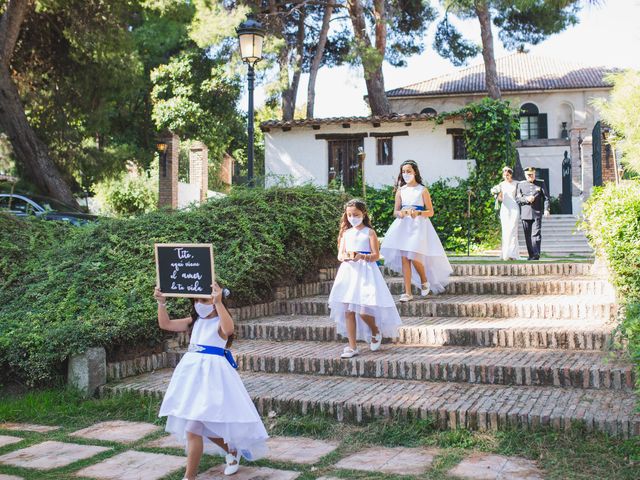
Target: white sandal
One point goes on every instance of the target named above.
(406, 298)
(426, 288)
(349, 352)
(378, 341)
(231, 467)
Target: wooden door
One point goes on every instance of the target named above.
(344, 166)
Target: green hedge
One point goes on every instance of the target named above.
(613, 227)
(65, 289)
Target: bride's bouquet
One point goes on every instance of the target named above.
(495, 191)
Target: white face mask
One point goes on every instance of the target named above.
(407, 177)
(355, 221)
(203, 309)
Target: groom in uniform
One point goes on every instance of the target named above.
(532, 196)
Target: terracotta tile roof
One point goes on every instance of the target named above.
(516, 72)
(394, 117)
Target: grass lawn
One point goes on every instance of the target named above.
(570, 455)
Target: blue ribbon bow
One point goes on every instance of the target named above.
(223, 352)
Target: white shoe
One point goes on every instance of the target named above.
(406, 298)
(349, 352)
(232, 467)
(426, 288)
(376, 341)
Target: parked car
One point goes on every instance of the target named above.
(23, 205)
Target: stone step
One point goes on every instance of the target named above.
(449, 405)
(482, 285)
(494, 269)
(498, 366)
(494, 306)
(434, 331)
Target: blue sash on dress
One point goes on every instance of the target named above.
(420, 208)
(211, 350)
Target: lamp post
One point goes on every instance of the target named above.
(161, 147)
(251, 37)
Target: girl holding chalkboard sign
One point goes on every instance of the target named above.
(206, 401)
(360, 301)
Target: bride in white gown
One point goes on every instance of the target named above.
(509, 216)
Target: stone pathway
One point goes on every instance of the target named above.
(297, 452)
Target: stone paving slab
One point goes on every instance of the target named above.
(480, 466)
(249, 473)
(9, 440)
(28, 427)
(399, 460)
(50, 454)
(133, 465)
(298, 449)
(168, 441)
(560, 368)
(9, 477)
(451, 405)
(117, 431)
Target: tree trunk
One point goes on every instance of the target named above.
(490, 70)
(317, 59)
(374, 78)
(291, 93)
(28, 148)
(30, 151)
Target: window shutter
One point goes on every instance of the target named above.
(542, 125)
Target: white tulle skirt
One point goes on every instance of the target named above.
(206, 396)
(417, 240)
(360, 287)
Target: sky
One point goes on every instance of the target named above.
(608, 34)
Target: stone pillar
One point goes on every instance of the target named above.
(587, 167)
(168, 195)
(226, 170)
(199, 168)
(88, 371)
(576, 170)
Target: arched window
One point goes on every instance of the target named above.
(429, 111)
(533, 124)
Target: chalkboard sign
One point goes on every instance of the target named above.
(184, 269)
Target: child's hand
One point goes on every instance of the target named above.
(159, 296)
(358, 256)
(401, 213)
(414, 213)
(216, 293)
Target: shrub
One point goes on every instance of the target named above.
(127, 195)
(93, 286)
(613, 226)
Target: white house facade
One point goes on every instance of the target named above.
(557, 116)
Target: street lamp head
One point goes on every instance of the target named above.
(251, 37)
(161, 147)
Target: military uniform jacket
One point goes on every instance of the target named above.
(531, 211)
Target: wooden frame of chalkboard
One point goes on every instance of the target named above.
(162, 279)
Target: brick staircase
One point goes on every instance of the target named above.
(560, 237)
(507, 345)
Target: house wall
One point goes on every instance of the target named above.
(296, 156)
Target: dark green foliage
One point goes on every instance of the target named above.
(613, 227)
(450, 43)
(93, 286)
